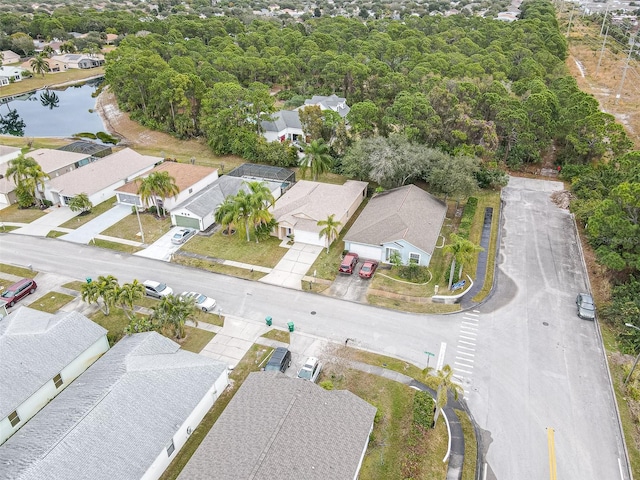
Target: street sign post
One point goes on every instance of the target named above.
(429, 355)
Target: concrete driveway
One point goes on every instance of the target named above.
(161, 249)
(293, 266)
(350, 287)
(92, 229)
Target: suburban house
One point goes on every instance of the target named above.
(406, 220)
(40, 355)
(55, 65)
(8, 153)
(53, 162)
(99, 179)
(332, 102)
(198, 211)
(126, 417)
(284, 126)
(190, 179)
(79, 60)
(9, 57)
(285, 428)
(305, 203)
(9, 75)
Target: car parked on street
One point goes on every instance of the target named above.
(586, 307)
(18, 291)
(310, 370)
(182, 235)
(368, 269)
(204, 303)
(280, 360)
(348, 263)
(156, 289)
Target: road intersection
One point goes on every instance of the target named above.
(527, 363)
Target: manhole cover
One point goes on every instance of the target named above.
(545, 324)
(313, 312)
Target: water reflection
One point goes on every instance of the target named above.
(52, 112)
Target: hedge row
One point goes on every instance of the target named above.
(467, 217)
(424, 408)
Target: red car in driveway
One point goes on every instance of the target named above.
(349, 263)
(18, 291)
(368, 268)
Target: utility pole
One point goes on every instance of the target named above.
(604, 42)
(603, 20)
(624, 71)
(570, 18)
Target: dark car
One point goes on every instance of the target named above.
(349, 263)
(280, 360)
(367, 269)
(18, 291)
(586, 307)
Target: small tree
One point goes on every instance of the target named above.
(128, 294)
(329, 230)
(443, 384)
(172, 313)
(104, 291)
(80, 203)
(463, 251)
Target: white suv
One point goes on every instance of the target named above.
(157, 289)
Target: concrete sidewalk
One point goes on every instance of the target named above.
(292, 268)
(43, 225)
(92, 229)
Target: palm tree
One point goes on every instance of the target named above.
(317, 158)
(261, 200)
(49, 99)
(48, 51)
(444, 384)
(463, 251)
(155, 186)
(28, 176)
(243, 210)
(39, 65)
(172, 313)
(35, 181)
(80, 203)
(104, 288)
(225, 213)
(330, 229)
(128, 294)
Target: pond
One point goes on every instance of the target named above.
(55, 112)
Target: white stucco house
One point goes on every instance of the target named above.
(127, 416)
(406, 220)
(79, 60)
(10, 74)
(305, 203)
(198, 211)
(40, 355)
(331, 102)
(190, 179)
(9, 57)
(284, 126)
(99, 179)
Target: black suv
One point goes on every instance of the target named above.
(280, 360)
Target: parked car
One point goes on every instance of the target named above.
(349, 263)
(586, 307)
(18, 291)
(156, 289)
(280, 360)
(204, 303)
(310, 370)
(182, 235)
(368, 268)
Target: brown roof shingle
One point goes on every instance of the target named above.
(185, 175)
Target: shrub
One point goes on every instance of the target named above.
(467, 217)
(327, 384)
(424, 408)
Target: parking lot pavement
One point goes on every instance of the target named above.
(161, 249)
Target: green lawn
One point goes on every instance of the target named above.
(97, 210)
(38, 81)
(218, 267)
(486, 199)
(13, 213)
(470, 446)
(75, 285)
(235, 247)
(212, 318)
(278, 335)
(55, 234)
(115, 323)
(120, 247)
(129, 228)
(18, 271)
(196, 339)
(51, 302)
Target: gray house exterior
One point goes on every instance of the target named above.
(406, 220)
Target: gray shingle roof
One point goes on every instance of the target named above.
(281, 120)
(332, 102)
(208, 199)
(35, 346)
(277, 427)
(115, 419)
(407, 213)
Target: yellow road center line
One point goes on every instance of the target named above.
(553, 475)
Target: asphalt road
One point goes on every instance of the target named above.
(526, 361)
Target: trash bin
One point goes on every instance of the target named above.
(290, 325)
(269, 321)
(88, 279)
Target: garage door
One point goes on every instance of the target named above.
(187, 222)
(366, 251)
(308, 237)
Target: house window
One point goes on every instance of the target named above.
(171, 448)
(414, 258)
(389, 253)
(57, 381)
(14, 418)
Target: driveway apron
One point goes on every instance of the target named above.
(92, 229)
(43, 225)
(293, 266)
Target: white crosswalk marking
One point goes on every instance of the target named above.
(467, 338)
